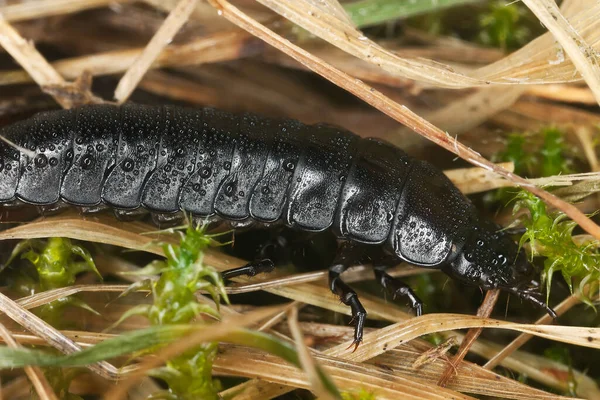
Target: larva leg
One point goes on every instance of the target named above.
(531, 295)
(394, 286)
(167, 220)
(53, 208)
(126, 215)
(251, 269)
(348, 255)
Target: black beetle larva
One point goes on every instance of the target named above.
(376, 199)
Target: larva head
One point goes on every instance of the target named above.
(490, 259)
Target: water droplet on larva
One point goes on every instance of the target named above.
(41, 161)
(480, 243)
(53, 161)
(289, 165)
(128, 165)
(69, 155)
(87, 161)
(100, 147)
(205, 172)
(230, 189)
(196, 187)
(265, 190)
(227, 165)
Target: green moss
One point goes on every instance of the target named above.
(550, 236)
(363, 394)
(532, 158)
(183, 273)
(542, 153)
(57, 262)
(504, 25)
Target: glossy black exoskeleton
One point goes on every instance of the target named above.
(380, 202)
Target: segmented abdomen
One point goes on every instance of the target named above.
(207, 162)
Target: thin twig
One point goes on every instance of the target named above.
(173, 23)
(30, 59)
(484, 311)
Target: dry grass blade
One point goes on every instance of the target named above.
(471, 378)
(378, 342)
(36, 375)
(400, 113)
(176, 19)
(581, 53)
(306, 360)
(586, 138)
(234, 360)
(221, 46)
(29, 58)
(565, 180)
(473, 110)
(45, 8)
(476, 180)
(529, 65)
(48, 296)
(343, 35)
(94, 231)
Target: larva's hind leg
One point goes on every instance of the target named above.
(394, 286)
(168, 220)
(53, 209)
(348, 255)
(128, 215)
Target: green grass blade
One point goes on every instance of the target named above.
(148, 338)
(372, 12)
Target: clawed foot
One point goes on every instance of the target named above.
(396, 287)
(415, 303)
(532, 296)
(359, 316)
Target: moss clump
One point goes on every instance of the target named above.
(550, 236)
(183, 273)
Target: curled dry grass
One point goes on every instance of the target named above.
(501, 92)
